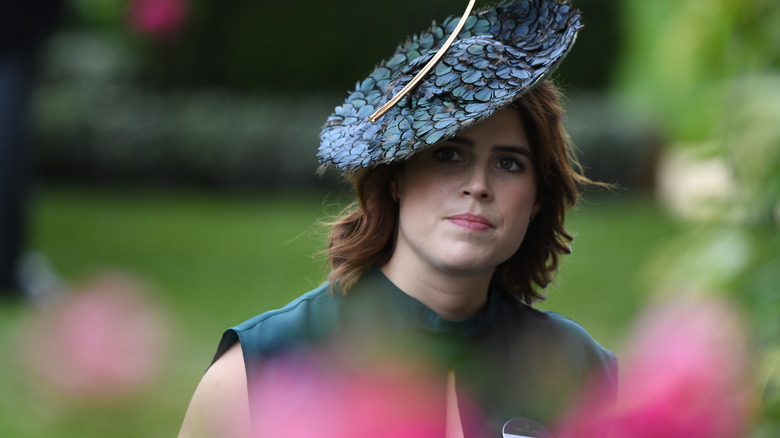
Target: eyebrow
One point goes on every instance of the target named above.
(519, 149)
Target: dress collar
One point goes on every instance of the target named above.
(403, 310)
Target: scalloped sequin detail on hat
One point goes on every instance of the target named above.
(501, 53)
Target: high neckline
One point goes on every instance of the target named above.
(406, 311)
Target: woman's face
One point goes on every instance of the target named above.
(465, 203)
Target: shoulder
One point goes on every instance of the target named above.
(597, 364)
(304, 319)
(564, 328)
(564, 337)
(294, 313)
(219, 406)
(549, 324)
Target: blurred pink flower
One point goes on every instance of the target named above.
(159, 19)
(309, 395)
(684, 375)
(104, 341)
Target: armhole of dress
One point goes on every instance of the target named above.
(229, 338)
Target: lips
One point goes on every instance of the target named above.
(471, 222)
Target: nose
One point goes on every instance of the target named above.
(477, 184)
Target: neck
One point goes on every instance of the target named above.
(453, 297)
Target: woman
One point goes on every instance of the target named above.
(462, 171)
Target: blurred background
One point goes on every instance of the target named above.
(159, 183)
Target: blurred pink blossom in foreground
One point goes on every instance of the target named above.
(310, 396)
(159, 19)
(105, 341)
(684, 375)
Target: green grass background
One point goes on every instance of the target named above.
(214, 260)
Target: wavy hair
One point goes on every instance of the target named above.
(364, 234)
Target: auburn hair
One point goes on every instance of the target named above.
(363, 236)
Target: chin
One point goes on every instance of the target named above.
(468, 267)
(472, 260)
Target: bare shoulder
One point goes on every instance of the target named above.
(220, 405)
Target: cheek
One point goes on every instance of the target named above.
(513, 240)
(415, 205)
(519, 212)
(520, 199)
(518, 234)
(420, 201)
(417, 188)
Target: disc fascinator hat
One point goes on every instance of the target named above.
(446, 79)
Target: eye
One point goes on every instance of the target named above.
(447, 153)
(511, 164)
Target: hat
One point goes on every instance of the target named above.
(499, 54)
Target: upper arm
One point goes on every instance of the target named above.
(220, 405)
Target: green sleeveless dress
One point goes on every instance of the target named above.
(513, 360)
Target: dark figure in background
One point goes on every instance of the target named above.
(24, 27)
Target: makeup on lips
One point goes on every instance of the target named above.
(471, 222)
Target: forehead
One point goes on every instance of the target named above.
(504, 127)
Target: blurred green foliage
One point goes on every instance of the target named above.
(710, 71)
(680, 57)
